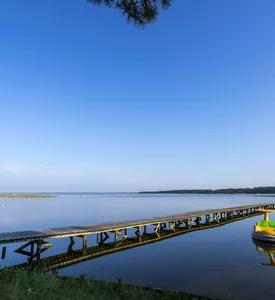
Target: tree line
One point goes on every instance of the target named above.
(255, 190)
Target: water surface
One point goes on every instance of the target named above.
(221, 261)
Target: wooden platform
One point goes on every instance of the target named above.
(75, 256)
(50, 233)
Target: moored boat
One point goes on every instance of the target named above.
(264, 230)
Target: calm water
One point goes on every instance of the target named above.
(220, 262)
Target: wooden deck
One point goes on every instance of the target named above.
(50, 233)
(75, 256)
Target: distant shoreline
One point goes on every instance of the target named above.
(25, 196)
(266, 190)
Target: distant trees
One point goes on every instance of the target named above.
(255, 190)
(141, 12)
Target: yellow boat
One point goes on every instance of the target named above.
(264, 230)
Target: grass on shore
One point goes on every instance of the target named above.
(18, 284)
(25, 196)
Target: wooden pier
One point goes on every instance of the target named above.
(126, 234)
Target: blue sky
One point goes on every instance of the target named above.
(89, 103)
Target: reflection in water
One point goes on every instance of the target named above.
(71, 256)
(268, 248)
(205, 262)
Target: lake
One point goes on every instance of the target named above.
(222, 261)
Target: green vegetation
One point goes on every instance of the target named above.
(140, 12)
(255, 190)
(25, 196)
(18, 284)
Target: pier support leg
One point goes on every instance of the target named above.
(70, 247)
(163, 226)
(118, 243)
(157, 230)
(38, 250)
(172, 226)
(102, 240)
(115, 238)
(188, 223)
(138, 233)
(84, 243)
(216, 218)
(198, 221)
(32, 252)
(144, 230)
(31, 255)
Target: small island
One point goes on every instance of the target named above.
(256, 190)
(25, 196)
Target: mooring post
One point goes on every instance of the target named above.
(4, 252)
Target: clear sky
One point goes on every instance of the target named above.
(89, 103)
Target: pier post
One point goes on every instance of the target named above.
(178, 224)
(84, 243)
(144, 230)
(115, 238)
(102, 240)
(157, 230)
(198, 221)
(163, 226)
(70, 247)
(32, 251)
(172, 227)
(138, 233)
(38, 250)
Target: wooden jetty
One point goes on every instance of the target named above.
(75, 256)
(140, 232)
